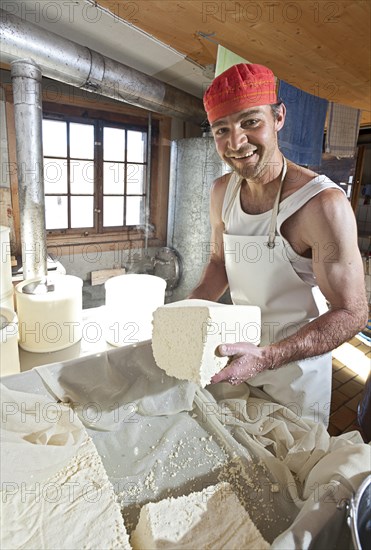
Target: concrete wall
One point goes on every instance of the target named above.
(136, 260)
(195, 164)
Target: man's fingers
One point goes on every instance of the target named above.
(226, 350)
(243, 362)
(221, 376)
(230, 373)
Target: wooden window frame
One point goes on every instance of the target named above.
(63, 242)
(98, 191)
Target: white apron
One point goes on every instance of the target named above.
(260, 273)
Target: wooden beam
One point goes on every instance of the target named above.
(160, 180)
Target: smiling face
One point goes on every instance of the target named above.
(247, 141)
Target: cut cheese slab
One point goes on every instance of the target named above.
(210, 519)
(187, 333)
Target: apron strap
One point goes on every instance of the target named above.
(272, 226)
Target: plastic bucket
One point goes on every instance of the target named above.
(9, 353)
(51, 321)
(7, 299)
(130, 302)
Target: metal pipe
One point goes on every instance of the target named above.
(148, 183)
(27, 93)
(69, 62)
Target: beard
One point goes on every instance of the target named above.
(251, 169)
(259, 165)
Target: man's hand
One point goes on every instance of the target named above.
(245, 361)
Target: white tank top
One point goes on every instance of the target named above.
(241, 223)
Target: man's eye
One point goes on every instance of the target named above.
(220, 131)
(250, 122)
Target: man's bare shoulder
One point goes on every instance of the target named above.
(217, 194)
(327, 216)
(328, 203)
(221, 183)
(219, 188)
(328, 212)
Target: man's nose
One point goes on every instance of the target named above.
(237, 138)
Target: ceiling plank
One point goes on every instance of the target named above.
(321, 47)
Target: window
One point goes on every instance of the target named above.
(94, 175)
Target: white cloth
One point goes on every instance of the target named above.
(310, 471)
(139, 420)
(55, 493)
(36, 427)
(112, 388)
(284, 468)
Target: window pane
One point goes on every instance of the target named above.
(113, 144)
(136, 146)
(54, 138)
(56, 216)
(82, 177)
(55, 176)
(134, 210)
(81, 141)
(113, 211)
(113, 178)
(135, 179)
(82, 211)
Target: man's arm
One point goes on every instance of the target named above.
(328, 227)
(214, 280)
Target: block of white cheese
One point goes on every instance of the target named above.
(187, 333)
(212, 518)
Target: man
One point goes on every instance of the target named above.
(283, 238)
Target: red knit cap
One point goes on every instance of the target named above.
(239, 87)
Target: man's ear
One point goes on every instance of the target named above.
(280, 120)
